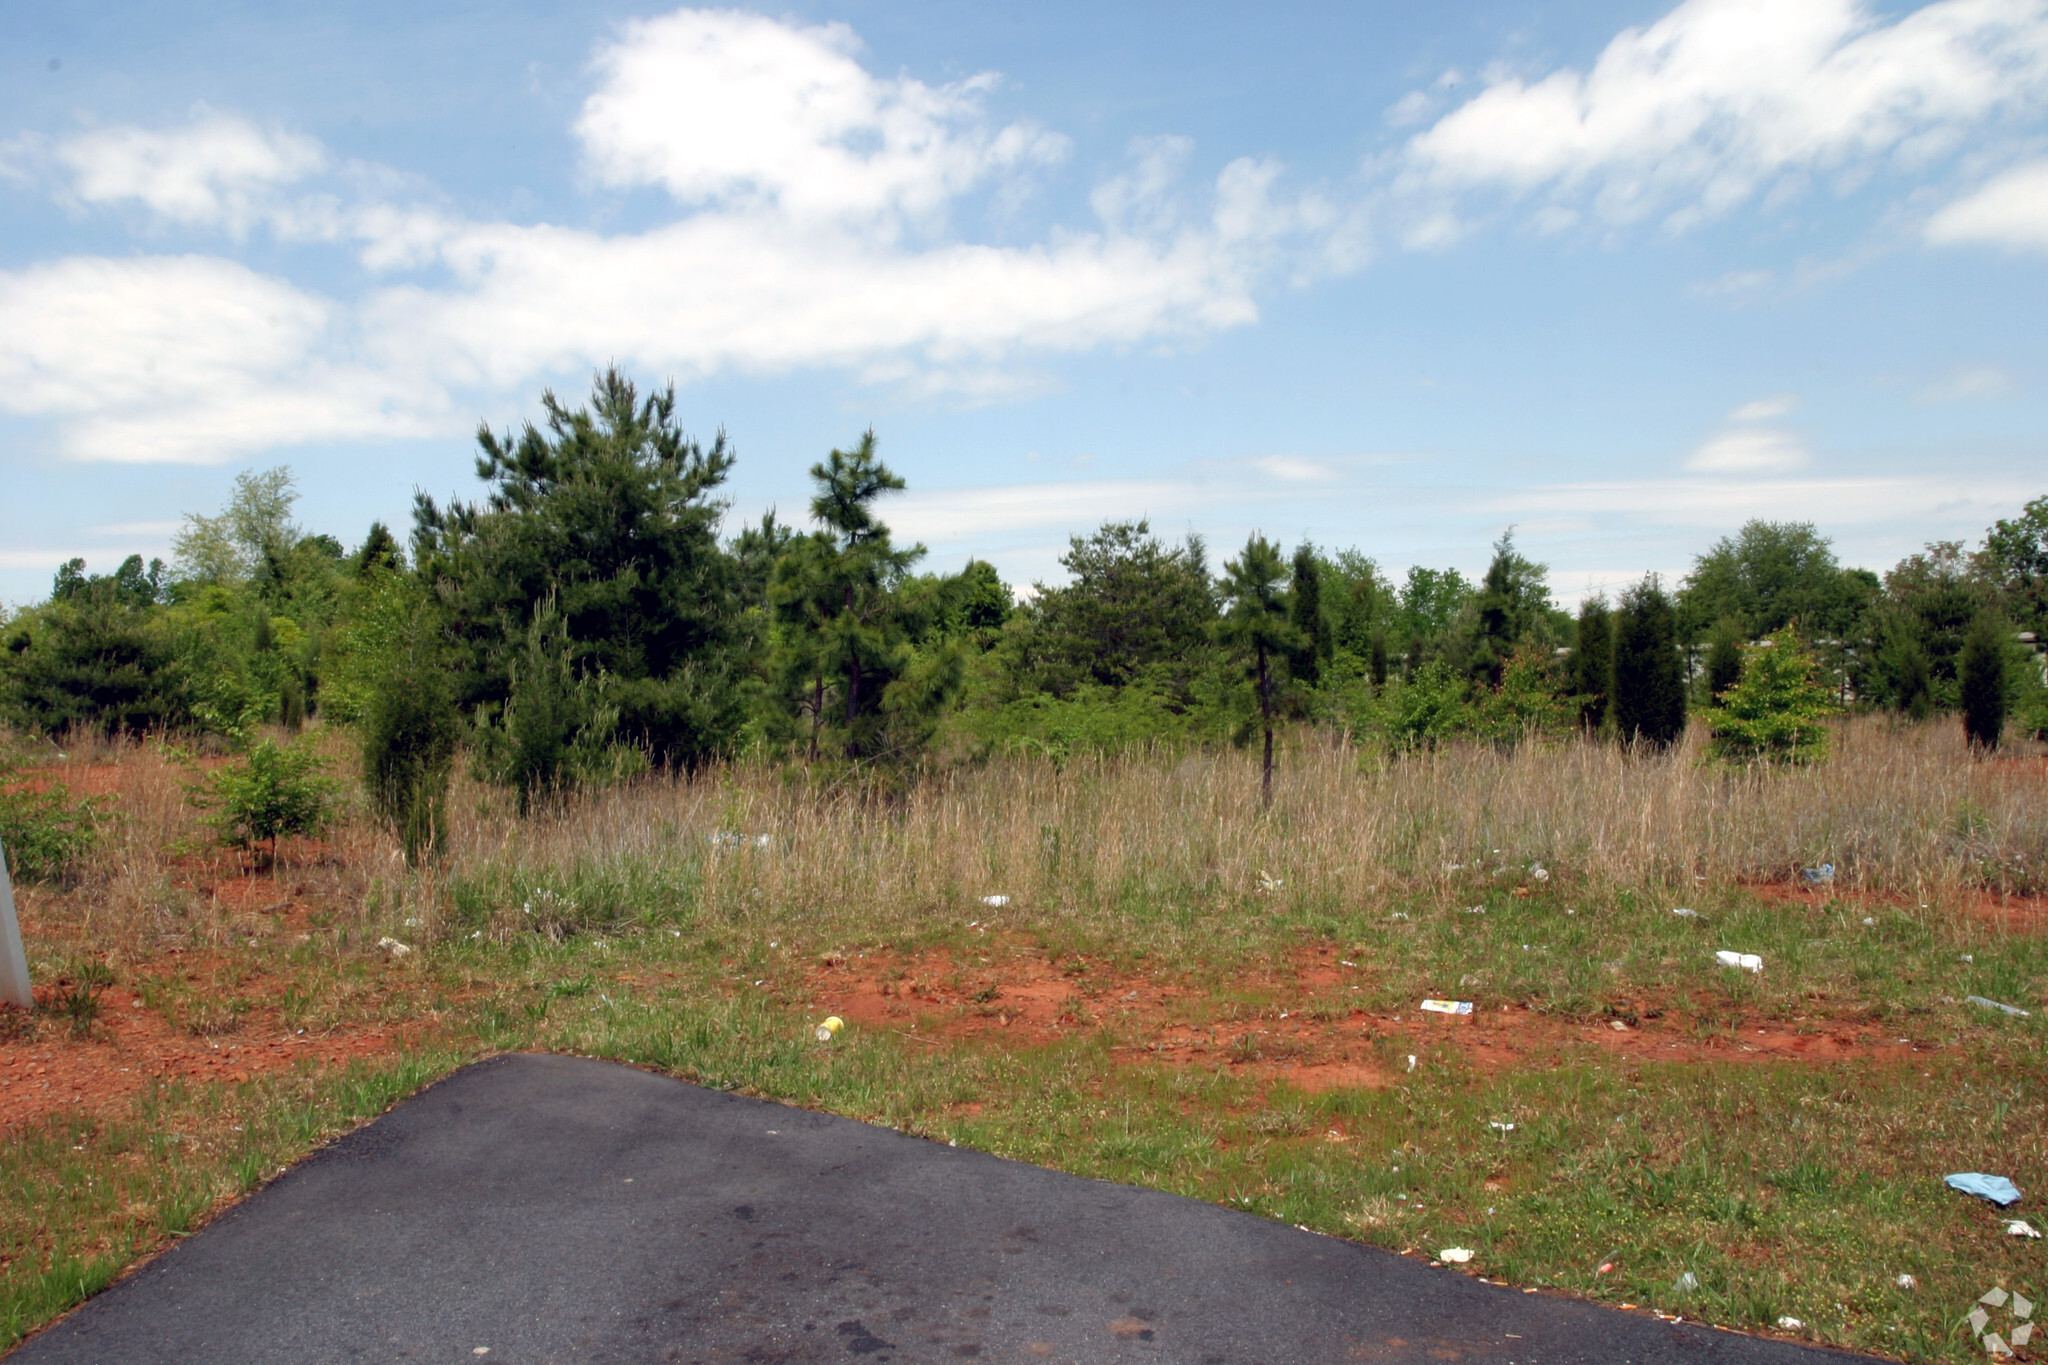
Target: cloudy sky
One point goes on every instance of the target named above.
(1620, 275)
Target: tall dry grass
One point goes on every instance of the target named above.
(158, 876)
(1896, 809)
(1904, 810)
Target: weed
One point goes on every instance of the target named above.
(77, 1000)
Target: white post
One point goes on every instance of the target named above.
(14, 987)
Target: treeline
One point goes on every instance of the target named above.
(586, 617)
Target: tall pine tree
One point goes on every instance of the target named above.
(1649, 685)
(1593, 663)
(1981, 675)
(1258, 622)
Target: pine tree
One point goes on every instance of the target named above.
(844, 658)
(1649, 688)
(1593, 663)
(1305, 611)
(1981, 673)
(1259, 622)
(1724, 657)
(609, 514)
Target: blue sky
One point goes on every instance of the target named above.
(1387, 276)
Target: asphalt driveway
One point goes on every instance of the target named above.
(535, 1209)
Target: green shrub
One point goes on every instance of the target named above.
(45, 832)
(1777, 710)
(409, 732)
(1426, 708)
(278, 789)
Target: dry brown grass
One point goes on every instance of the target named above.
(1905, 811)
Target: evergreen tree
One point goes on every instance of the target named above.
(1777, 708)
(1981, 672)
(1592, 663)
(98, 655)
(1305, 610)
(1649, 688)
(844, 656)
(609, 515)
(1376, 665)
(379, 550)
(1498, 612)
(1724, 657)
(1915, 693)
(1258, 622)
(1136, 608)
(409, 735)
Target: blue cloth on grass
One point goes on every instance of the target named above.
(1996, 1188)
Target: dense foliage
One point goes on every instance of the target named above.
(590, 615)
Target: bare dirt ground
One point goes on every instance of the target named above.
(129, 1046)
(1309, 1036)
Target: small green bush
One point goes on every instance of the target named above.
(278, 789)
(1777, 710)
(46, 832)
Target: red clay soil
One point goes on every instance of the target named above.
(129, 1046)
(2018, 914)
(1309, 1037)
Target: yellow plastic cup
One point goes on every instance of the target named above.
(830, 1027)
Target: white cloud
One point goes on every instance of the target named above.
(1764, 409)
(214, 171)
(1749, 450)
(1723, 99)
(1977, 383)
(1076, 506)
(1293, 469)
(732, 108)
(1720, 503)
(811, 232)
(187, 358)
(2011, 211)
(1412, 108)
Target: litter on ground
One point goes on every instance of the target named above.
(1448, 1006)
(1995, 1005)
(1749, 962)
(2020, 1227)
(1819, 876)
(1684, 912)
(393, 946)
(1455, 1255)
(1790, 1324)
(1995, 1188)
(829, 1028)
(995, 902)
(1686, 1283)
